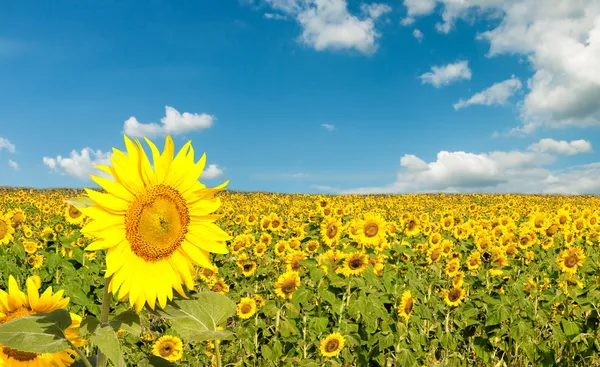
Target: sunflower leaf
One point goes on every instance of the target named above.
(198, 319)
(128, 321)
(40, 333)
(154, 361)
(81, 202)
(107, 341)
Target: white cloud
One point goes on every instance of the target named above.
(275, 16)
(6, 144)
(79, 165)
(445, 75)
(419, 7)
(497, 94)
(212, 171)
(561, 41)
(329, 127)
(498, 171)
(328, 25)
(418, 34)
(375, 10)
(13, 164)
(174, 123)
(562, 147)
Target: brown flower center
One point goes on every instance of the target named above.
(246, 308)
(19, 355)
(288, 286)
(74, 212)
(408, 306)
(332, 345)
(166, 349)
(371, 229)
(156, 223)
(572, 260)
(355, 263)
(454, 295)
(332, 230)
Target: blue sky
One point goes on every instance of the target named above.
(262, 80)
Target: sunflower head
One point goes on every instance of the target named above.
(156, 223)
(286, 284)
(406, 305)
(246, 308)
(168, 347)
(332, 345)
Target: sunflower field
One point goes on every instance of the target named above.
(313, 280)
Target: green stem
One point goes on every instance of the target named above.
(81, 355)
(106, 298)
(218, 353)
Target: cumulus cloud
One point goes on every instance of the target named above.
(173, 123)
(418, 35)
(444, 75)
(560, 40)
(328, 127)
(212, 171)
(328, 24)
(79, 165)
(6, 144)
(562, 147)
(13, 164)
(497, 94)
(498, 171)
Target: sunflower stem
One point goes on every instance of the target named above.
(81, 355)
(217, 353)
(106, 298)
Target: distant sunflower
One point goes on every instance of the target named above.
(570, 260)
(406, 305)
(312, 246)
(434, 254)
(168, 347)
(286, 284)
(246, 308)
(73, 215)
(260, 249)
(16, 304)
(219, 286)
(355, 263)
(331, 231)
(454, 296)
(332, 345)
(452, 267)
(248, 268)
(155, 222)
(372, 229)
(474, 260)
(6, 229)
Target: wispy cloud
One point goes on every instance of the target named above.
(497, 94)
(329, 127)
(7, 145)
(440, 76)
(13, 164)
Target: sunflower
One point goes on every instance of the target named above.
(312, 246)
(434, 254)
(355, 263)
(168, 347)
(454, 296)
(293, 260)
(406, 305)
(452, 267)
(372, 228)
(246, 308)
(6, 229)
(260, 249)
(474, 260)
(219, 286)
(412, 227)
(286, 284)
(17, 217)
(331, 231)
(208, 274)
(30, 247)
(570, 259)
(155, 223)
(458, 279)
(249, 268)
(73, 215)
(16, 304)
(260, 301)
(332, 345)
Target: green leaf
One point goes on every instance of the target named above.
(89, 324)
(79, 363)
(108, 342)
(198, 319)
(128, 321)
(571, 329)
(154, 361)
(81, 202)
(39, 333)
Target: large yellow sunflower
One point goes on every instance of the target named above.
(155, 222)
(331, 231)
(570, 260)
(6, 229)
(16, 303)
(73, 215)
(332, 345)
(168, 347)
(286, 284)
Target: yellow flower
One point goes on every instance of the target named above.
(570, 260)
(286, 284)
(6, 230)
(168, 347)
(454, 296)
(16, 304)
(330, 231)
(355, 263)
(30, 247)
(332, 345)
(155, 222)
(406, 305)
(73, 215)
(246, 308)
